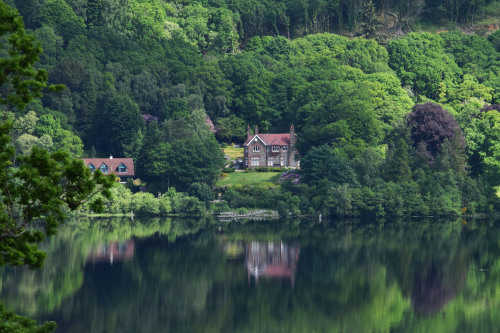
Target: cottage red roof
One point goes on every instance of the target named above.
(279, 139)
(113, 164)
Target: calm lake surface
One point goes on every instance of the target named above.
(180, 275)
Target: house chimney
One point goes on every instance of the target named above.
(292, 136)
(256, 130)
(110, 157)
(248, 131)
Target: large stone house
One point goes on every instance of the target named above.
(121, 167)
(270, 150)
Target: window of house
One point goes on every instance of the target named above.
(104, 168)
(256, 148)
(122, 168)
(270, 162)
(276, 149)
(282, 160)
(255, 161)
(285, 148)
(91, 167)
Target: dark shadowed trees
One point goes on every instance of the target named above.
(324, 163)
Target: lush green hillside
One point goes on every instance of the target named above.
(144, 78)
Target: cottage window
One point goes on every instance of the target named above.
(104, 168)
(276, 149)
(122, 168)
(270, 162)
(91, 167)
(256, 148)
(282, 160)
(285, 148)
(255, 161)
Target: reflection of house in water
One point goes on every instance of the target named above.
(271, 259)
(112, 252)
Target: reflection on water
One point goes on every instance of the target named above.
(112, 252)
(192, 276)
(271, 259)
(431, 291)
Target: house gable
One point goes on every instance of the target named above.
(122, 168)
(276, 142)
(255, 139)
(104, 168)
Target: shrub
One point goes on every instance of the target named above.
(242, 210)
(262, 169)
(293, 176)
(145, 203)
(218, 207)
(201, 191)
(165, 205)
(190, 206)
(224, 175)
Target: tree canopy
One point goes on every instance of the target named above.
(146, 79)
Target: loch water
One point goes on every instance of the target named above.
(201, 275)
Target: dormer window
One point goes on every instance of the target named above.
(122, 168)
(104, 168)
(285, 148)
(276, 149)
(91, 167)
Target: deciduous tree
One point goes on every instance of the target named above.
(36, 190)
(430, 125)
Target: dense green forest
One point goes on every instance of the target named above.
(393, 118)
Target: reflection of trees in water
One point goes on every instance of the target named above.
(36, 293)
(439, 268)
(271, 259)
(431, 291)
(164, 285)
(351, 277)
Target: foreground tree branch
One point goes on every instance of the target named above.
(36, 193)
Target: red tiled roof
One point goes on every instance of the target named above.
(279, 139)
(113, 164)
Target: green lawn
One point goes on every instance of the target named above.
(233, 153)
(250, 178)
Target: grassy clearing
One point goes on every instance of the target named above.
(250, 178)
(233, 153)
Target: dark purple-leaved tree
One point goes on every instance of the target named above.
(492, 107)
(430, 125)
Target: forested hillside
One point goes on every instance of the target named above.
(390, 120)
